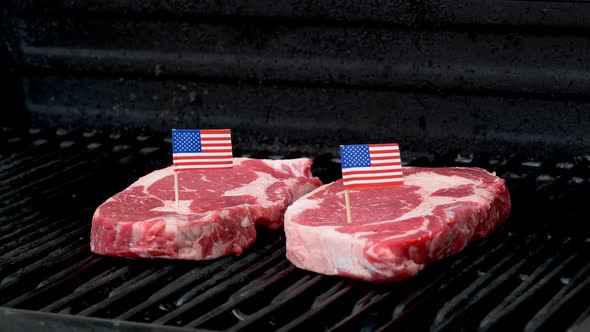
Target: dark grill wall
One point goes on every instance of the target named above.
(478, 76)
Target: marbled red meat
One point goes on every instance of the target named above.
(218, 211)
(395, 231)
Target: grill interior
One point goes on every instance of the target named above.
(532, 274)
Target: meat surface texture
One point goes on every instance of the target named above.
(395, 231)
(218, 211)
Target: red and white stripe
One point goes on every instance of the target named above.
(216, 152)
(385, 169)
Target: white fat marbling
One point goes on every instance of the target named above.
(255, 188)
(170, 206)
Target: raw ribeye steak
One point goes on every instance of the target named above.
(218, 211)
(397, 230)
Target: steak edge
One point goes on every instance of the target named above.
(395, 231)
(218, 214)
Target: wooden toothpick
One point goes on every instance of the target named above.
(176, 189)
(347, 200)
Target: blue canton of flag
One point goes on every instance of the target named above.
(355, 155)
(186, 140)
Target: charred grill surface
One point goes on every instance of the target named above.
(532, 274)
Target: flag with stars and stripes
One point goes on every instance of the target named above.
(194, 149)
(371, 165)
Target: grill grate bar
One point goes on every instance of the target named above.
(18, 207)
(45, 161)
(23, 173)
(578, 286)
(10, 163)
(582, 323)
(133, 285)
(34, 225)
(101, 279)
(56, 281)
(26, 244)
(44, 244)
(280, 300)
(201, 273)
(12, 226)
(38, 181)
(476, 291)
(523, 293)
(322, 302)
(16, 163)
(364, 305)
(54, 258)
(254, 288)
(219, 283)
(193, 276)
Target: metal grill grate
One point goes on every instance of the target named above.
(533, 274)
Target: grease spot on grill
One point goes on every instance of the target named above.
(481, 273)
(66, 144)
(167, 307)
(149, 149)
(564, 281)
(93, 146)
(61, 132)
(531, 163)
(40, 142)
(34, 131)
(89, 134)
(142, 138)
(120, 147)
(565, 165)
(545, 178)
(464, 159)
(114, 136)
(512, 176)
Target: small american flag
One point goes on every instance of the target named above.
(201, 149)
(371, 165)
